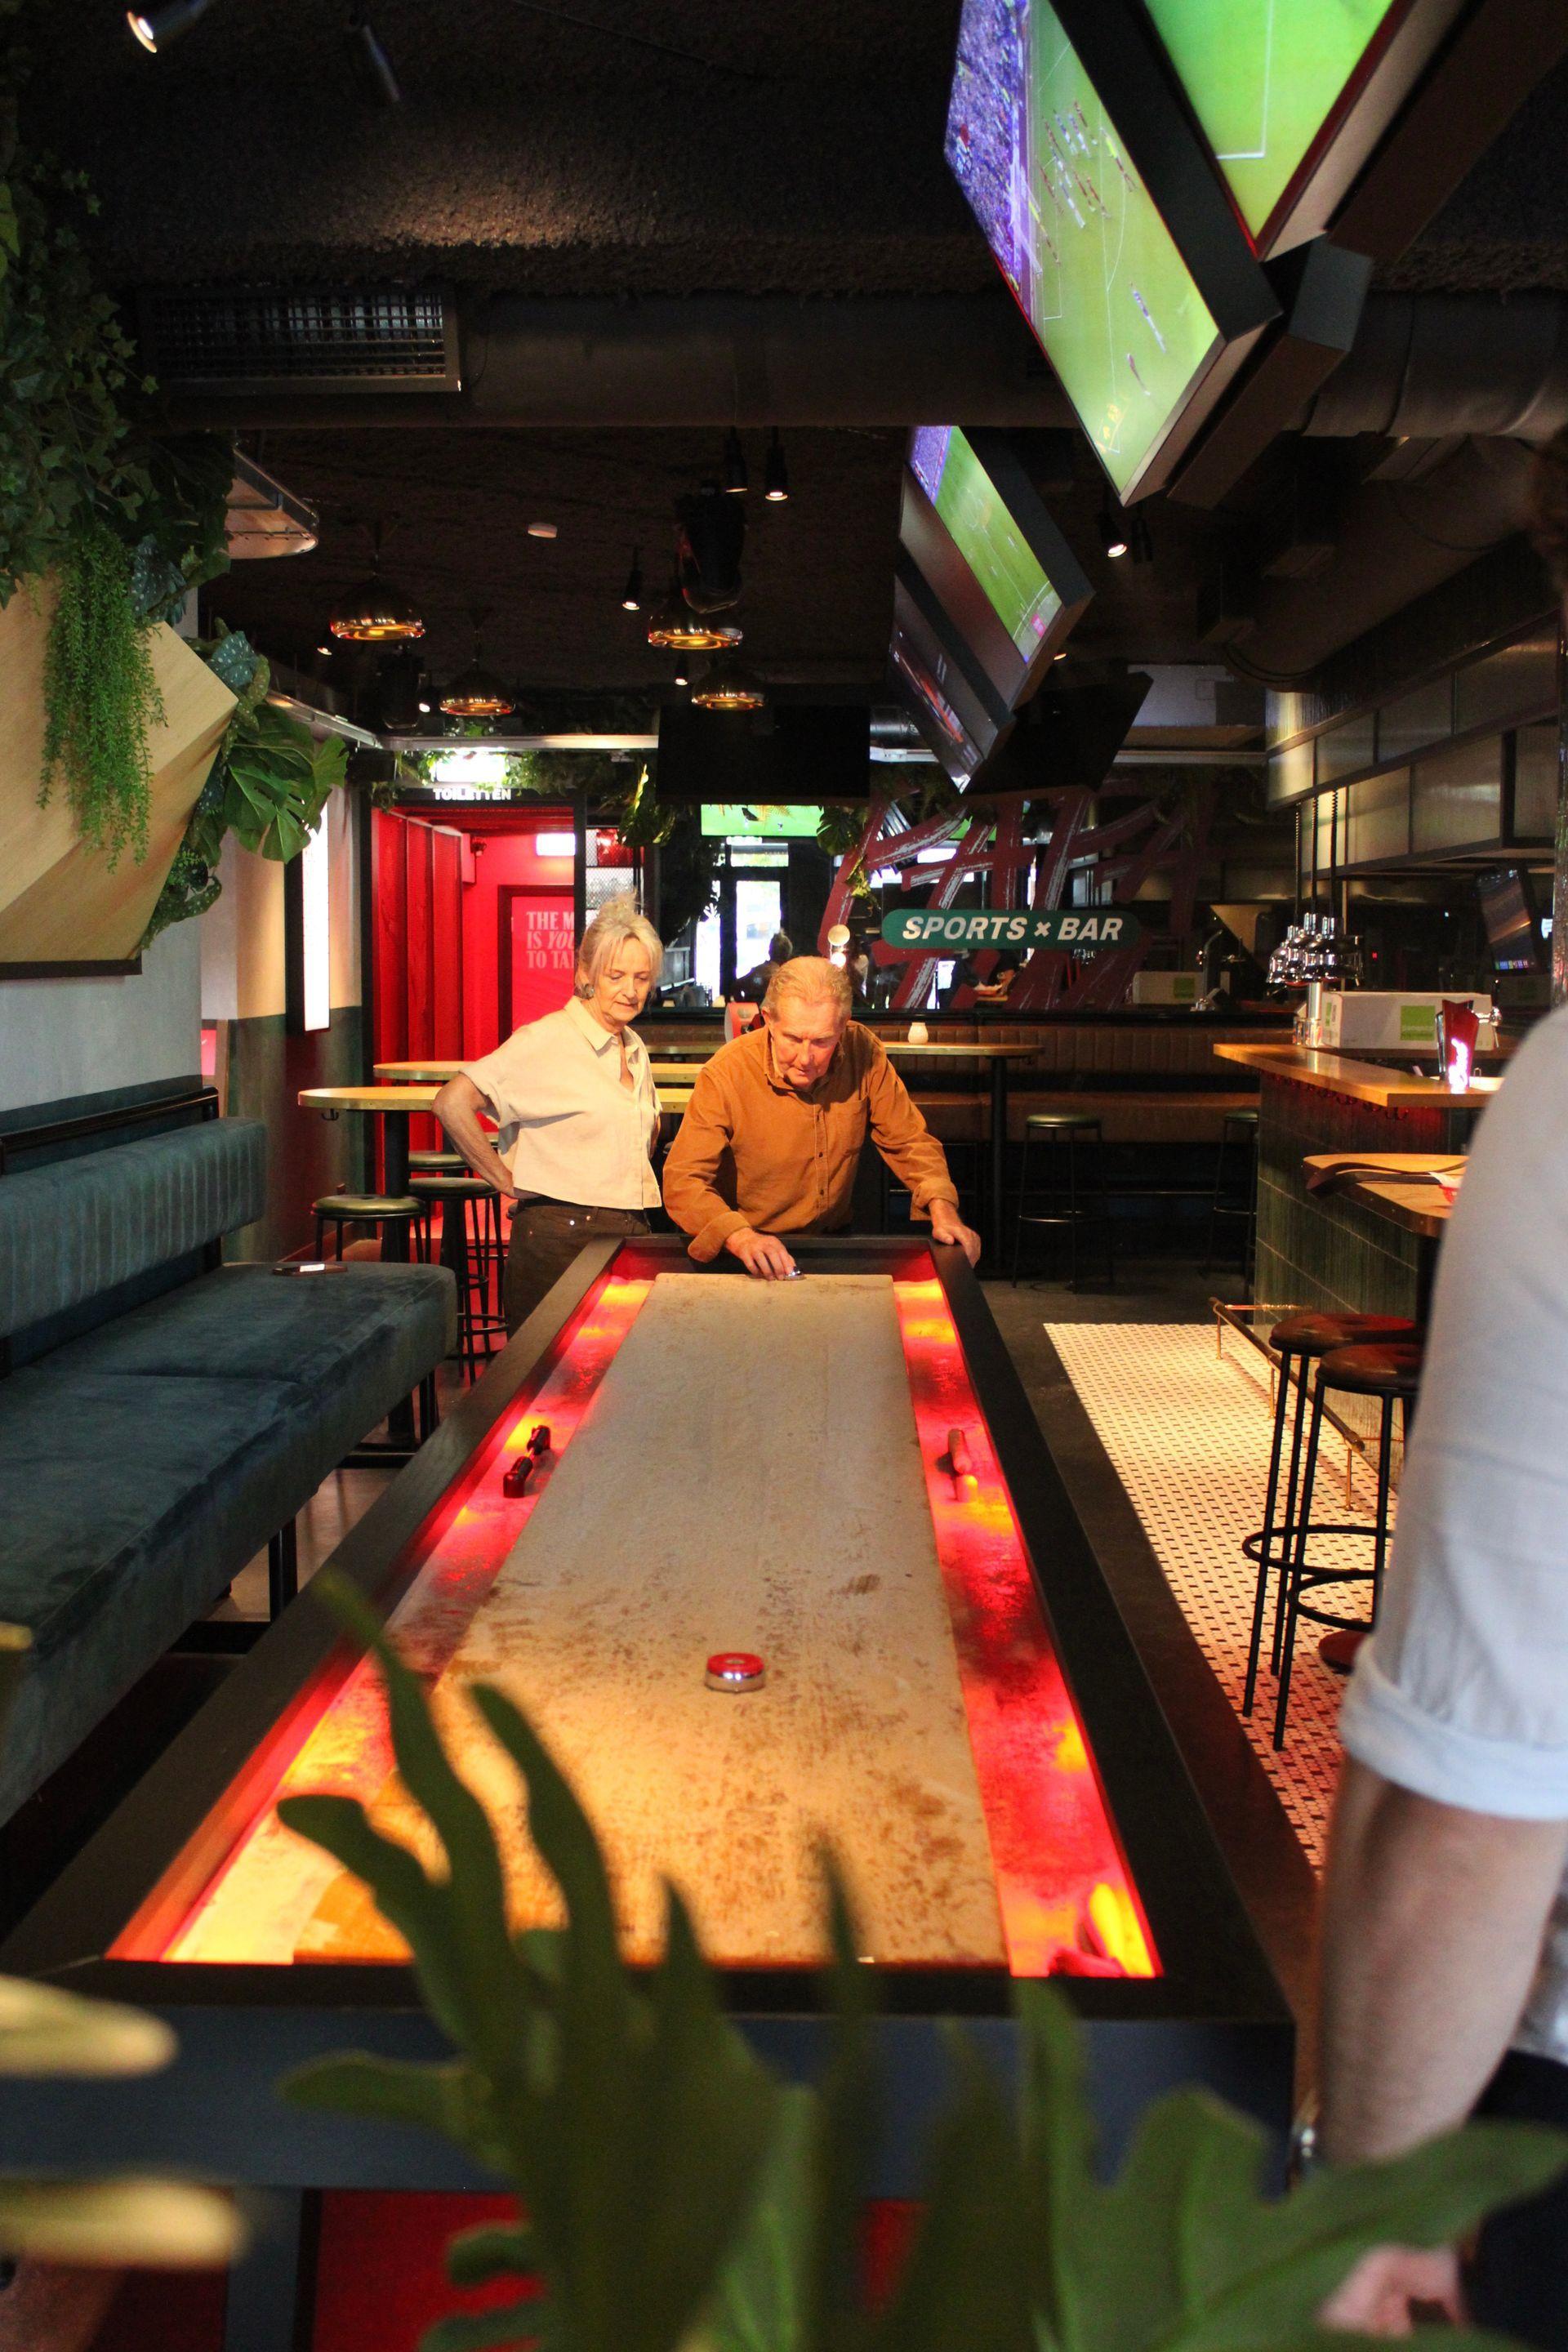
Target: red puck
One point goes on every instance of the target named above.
(735, 1670)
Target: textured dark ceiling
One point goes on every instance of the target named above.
(802, 155)
(818, 569)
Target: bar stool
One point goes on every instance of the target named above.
(1068, 1132)
(342, 1210)
(1238, 1131)
(436, 1163)
(1298, 1340)
(478, 1321)
(1389, 1372)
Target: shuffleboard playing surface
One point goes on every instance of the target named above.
(748, 1477)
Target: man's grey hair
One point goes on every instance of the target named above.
(612, 928)
(814, 981)
(781, 947)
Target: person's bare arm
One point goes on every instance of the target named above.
(1432, 1927)
(458, 1107)
(1432, 1923)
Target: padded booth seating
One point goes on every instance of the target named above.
(164, 1416)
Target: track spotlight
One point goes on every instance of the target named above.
(682, 674)
(631, 594)
(156, 27)
(371, 60)
(737, 481)
(775, 480)
(1112, 529)
(1139, 543)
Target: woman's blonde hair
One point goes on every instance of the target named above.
(612, 927)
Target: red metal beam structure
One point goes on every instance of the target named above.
(1119, 854)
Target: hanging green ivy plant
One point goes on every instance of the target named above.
(269, 786)
(100, 695)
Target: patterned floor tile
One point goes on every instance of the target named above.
(1187, 1430)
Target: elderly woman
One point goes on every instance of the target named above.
(575, 1098)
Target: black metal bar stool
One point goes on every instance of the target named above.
(479, 1321)
(1237, 1134)
(1298, 1340)
(1389, 1372)
(364, 1210)
(1087, 1201)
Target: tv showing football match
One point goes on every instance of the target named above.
(1143, 298)
(1292, 95)
(980, 536)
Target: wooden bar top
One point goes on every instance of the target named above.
(1363, 1082)
(1397, 1184)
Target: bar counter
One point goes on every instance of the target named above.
(1334, 1250)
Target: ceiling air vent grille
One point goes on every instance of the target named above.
(256, 340)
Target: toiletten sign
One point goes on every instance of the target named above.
(954, 932)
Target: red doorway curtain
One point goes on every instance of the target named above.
(418, 873)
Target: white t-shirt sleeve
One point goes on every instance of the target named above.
(1462, 1692)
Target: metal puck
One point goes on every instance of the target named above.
(735, 1670)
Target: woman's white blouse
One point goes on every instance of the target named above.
(569, 1130)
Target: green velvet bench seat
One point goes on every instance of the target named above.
(164, 1416)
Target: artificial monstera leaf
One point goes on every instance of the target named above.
(155, 2224)
(1184, 2251)
(279, 778)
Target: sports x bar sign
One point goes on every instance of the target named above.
(964, 932)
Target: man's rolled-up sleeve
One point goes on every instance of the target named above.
(904, 1140)
(690, 1192)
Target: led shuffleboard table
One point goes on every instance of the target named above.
(840, 1475)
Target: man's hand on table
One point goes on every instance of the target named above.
(763, 1254)
(947, 1226)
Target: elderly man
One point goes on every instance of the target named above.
(770, 1142)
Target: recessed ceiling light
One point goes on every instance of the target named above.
(424, 708)
(323, 649)
(541, 530)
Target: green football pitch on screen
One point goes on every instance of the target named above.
(1264, 76)
(1109, 295)
(992, 546)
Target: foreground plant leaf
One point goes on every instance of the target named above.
(158, 2224)
(631, 2123)
(44, 2032)
(1183, 2249)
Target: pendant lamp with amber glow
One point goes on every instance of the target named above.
(674, 625)
(476, 692)
(376, 613)
(728, 685)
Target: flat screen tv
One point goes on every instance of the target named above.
(1107, 220)
(1067, 735)
(790, 752)
(1509, 919)
(960, 717)
(1293, 95)
(979, 534)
